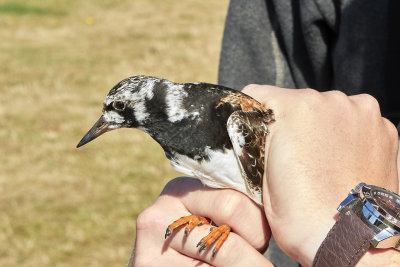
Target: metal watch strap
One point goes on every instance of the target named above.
(345, 243)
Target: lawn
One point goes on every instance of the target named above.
(62, 206)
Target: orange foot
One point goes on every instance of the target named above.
(191, 221)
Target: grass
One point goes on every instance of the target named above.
(16, 8)
(62, 206)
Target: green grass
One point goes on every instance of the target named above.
(62, 206)
(16, 8)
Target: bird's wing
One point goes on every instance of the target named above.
(247, 131)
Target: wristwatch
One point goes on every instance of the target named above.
(370, 215)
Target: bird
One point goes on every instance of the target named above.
(207, 131)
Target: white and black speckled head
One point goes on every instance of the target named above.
(142, 102)
(125, 106)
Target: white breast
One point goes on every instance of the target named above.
(221, 171)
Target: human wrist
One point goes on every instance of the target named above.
(305, 248)
(373, 257)
(368, 218)
(300, 233)
(380, 257)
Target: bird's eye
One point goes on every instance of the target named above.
(119, 105)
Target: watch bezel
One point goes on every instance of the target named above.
(367, 193)
(387, 230)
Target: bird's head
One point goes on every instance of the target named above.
(124, 106)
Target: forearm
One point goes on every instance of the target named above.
(378, 257)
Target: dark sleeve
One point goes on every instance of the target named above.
(352, 46)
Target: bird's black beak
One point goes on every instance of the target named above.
(100, 127)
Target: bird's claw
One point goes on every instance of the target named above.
(190, 221)
(168, 232)
(219, 233)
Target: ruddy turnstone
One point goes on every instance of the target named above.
(208, 131)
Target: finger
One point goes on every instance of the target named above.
(228, 255)
(393, 173)
(367, 103)
(151, 248)
(149, 233)
(169, 258)
(231, 207)
(369, 107)
(392, 133)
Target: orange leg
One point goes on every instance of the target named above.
(220, 232)
(191, 221)
(216, 232)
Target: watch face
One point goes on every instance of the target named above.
(388, 201)
(385, 202)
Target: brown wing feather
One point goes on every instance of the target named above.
(248, 131)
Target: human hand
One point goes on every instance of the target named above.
(185, 196)
(321, 146)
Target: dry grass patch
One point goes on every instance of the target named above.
(61, 206)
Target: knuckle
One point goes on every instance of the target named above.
(368, 102)
(308, 92)
(308, 99)
(147, 219)
(369, 99)
(336, 94)
(338, 100)
(393, 138)
(250, 88)
(391, 129)
(230, 204)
